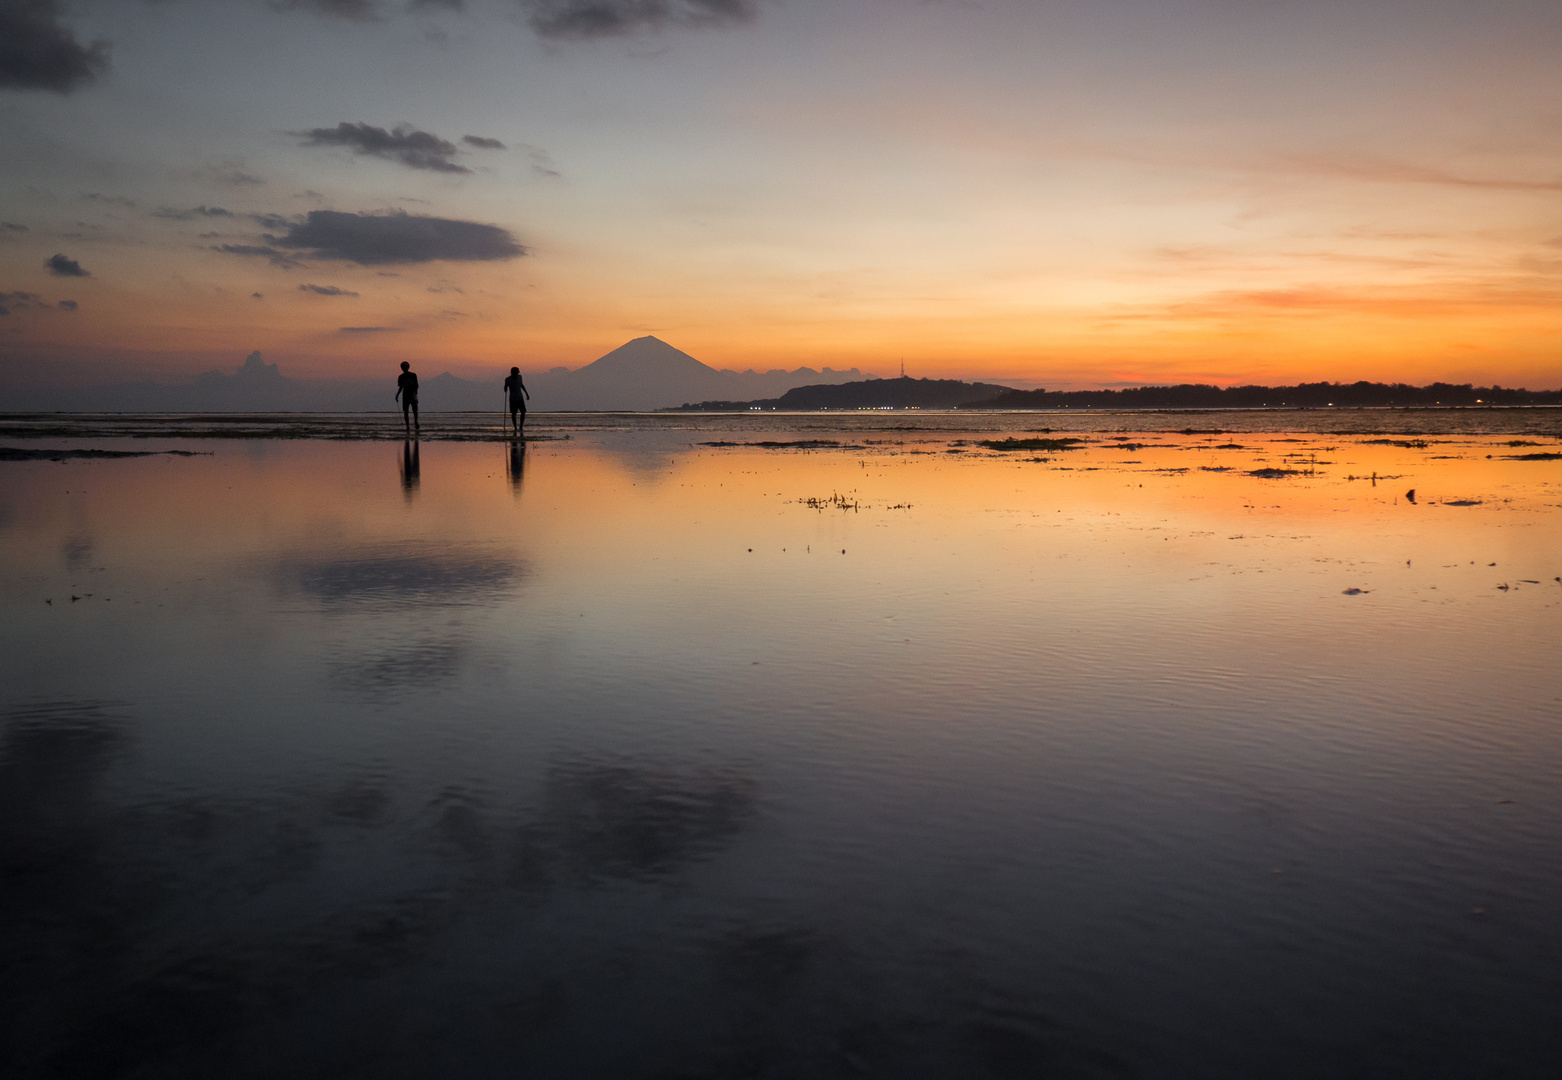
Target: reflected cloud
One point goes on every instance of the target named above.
(51, 761)
(620, 821)
(446, 575)
(400, 669)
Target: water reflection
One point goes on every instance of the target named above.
(621, 821)
(412, 575)
(427, 664)
(411, 471)
(515, 463)
(990, 767)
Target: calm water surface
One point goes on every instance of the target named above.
(629, 755)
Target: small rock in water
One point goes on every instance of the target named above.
(1410, 496)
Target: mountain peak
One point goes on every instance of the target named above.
(644, 358)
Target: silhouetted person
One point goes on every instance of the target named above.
(514, 387)
(515, 466)
(407, 391)
(410, 471)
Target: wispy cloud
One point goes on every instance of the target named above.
(349, 10)
(326, 290)
(169, 213)
(260, 251)
(369, 330)
(482, 142)
(403, 144)
(606, 18)
(21, 301)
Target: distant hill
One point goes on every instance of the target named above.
(901, 393)
(1359, 395)
(642, 375)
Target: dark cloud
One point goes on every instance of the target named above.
(369, 330)
(326, 290)
(380, 239)
(171, 214)
(448, 5)
(68, 305)
(482, 143)
(112, 200)
(278, 258)
(39, 52)
(351, 10)
(7, 226)
(257, 296)
(412, 148)
(606, 18)
(60, 266)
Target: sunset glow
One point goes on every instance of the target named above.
(1064, 194)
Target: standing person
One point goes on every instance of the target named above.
(518, 397)
(407, 391)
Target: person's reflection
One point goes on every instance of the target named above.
(515, 463)
(409, 467)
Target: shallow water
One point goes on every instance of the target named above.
(624, 755)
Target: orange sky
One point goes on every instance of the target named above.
(1053, 195)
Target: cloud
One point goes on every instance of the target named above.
(19, 300)
(369, 330)
(257, 296)
(112, 200)
(382, 239)
(482, 143)
(1382, 170)
(68, 305)
(60, 266)
(412, 148)
(7, 226)
(607, 18)
(326, 290)
(278, 258)
(170, 214)
(39, 52)
(448, 5)
(351, 10)
(274, 222)
(229, 171)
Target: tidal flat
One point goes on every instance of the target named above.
(829, 745)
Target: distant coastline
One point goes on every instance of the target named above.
(953, 394)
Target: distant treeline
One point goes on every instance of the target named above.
(1359, 395)
(905, 393)
(901, 393)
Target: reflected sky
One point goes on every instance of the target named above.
(904, 755)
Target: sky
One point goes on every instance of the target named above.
(1064, 193)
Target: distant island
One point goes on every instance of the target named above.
(901, 393)
(905, 393)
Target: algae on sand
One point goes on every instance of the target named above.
(1065, 443)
